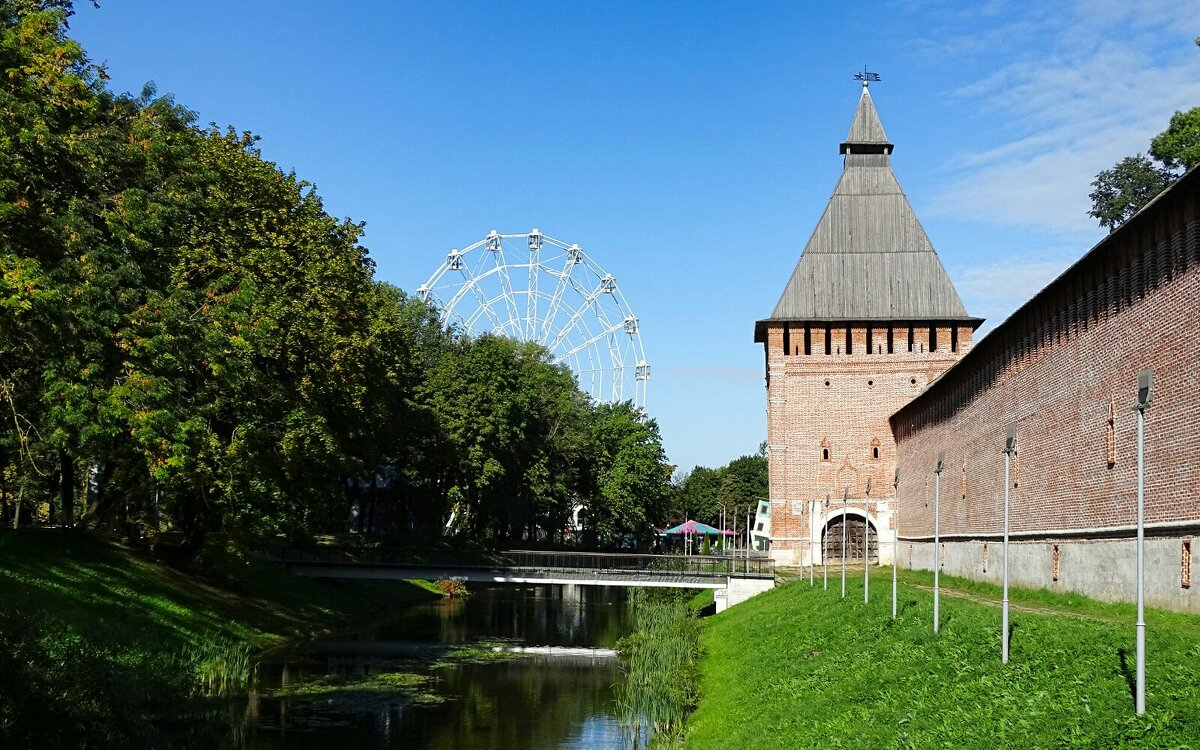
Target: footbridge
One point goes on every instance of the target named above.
(733, 579)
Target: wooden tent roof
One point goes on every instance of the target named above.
(869, 258)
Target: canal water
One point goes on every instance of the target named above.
(474, 691)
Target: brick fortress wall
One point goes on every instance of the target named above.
(840, 402)
(1064, 369)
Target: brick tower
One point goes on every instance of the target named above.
(867, 319)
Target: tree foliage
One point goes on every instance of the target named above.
(739, 485)
(189, 342)
(1178, 147)
(1120, 192)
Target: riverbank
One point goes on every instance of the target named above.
(800, 667)
(99, 644)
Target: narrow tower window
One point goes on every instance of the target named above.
(825, 449)
(1185, 565)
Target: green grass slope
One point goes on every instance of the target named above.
(99, 644)
(799, 667)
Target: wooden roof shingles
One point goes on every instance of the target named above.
(869, 258)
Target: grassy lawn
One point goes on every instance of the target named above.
(800, 667)
(98, 643)
(112, 592)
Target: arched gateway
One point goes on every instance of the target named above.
(831, 539)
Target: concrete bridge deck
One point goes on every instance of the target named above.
(732, 578)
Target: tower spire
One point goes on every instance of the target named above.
(866, 131)
(869, 258)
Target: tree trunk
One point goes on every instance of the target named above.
(67, 488)
(53, 485)
(3, 494)
(17, 507)
(101, 501)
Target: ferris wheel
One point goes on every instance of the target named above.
(532, 287)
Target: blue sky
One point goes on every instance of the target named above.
(688, 147)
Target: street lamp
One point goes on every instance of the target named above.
(1010, 447)
(723, 535)
(749, 540)
(1145, 386)
(895, 537)
(845, 500)
(811, 572)
(825, 544)
(937, 507)
(867, 542)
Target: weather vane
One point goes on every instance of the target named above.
(866, 76)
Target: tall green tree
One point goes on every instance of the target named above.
(187, 335)
(1178, 147)
(743, 484)
(696, 495)
(1120, 192)
(512, 436)
(632, 476)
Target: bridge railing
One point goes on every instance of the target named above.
(702, 566)
(363, 555)
(695, 566)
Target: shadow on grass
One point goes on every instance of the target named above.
(1128, 675)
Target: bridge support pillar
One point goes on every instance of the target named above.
(738, 590)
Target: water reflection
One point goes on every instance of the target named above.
(533, 702)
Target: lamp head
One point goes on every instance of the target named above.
(868, 485)
(1010, 440)
(941, 462)
(896, 480)
(1145, 388)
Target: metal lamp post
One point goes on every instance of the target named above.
(811, 572)
(749, 539)
(1010, 447)
(867, 543)
(724, 537)
(825, 545)
(895, 537)
(1145, 386)
(845, 502)
(937, 552)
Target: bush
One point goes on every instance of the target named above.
(453, 587)
(62, 688)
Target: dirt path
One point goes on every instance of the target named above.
(1015, 606)
(788, 575)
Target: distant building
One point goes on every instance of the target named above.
(870, 368)
(867, 319)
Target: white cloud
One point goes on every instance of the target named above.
(1102, 79)
(995, 291)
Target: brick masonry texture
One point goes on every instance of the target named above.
(1064, 370)
(840, 403)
